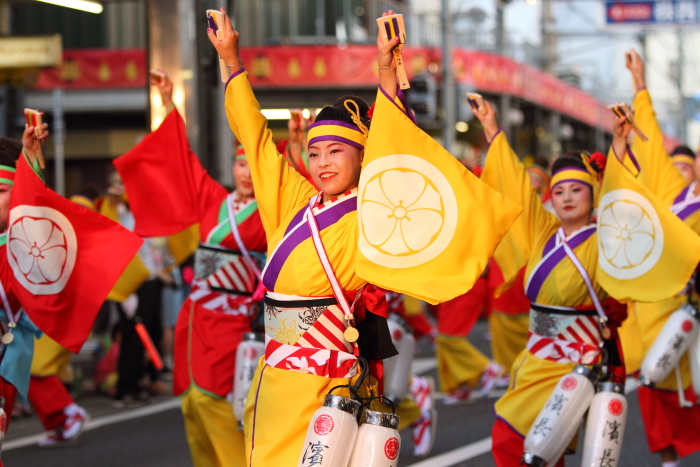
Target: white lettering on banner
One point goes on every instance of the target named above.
(664, 12)
(686, 12)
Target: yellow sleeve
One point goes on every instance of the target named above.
(504, 172)
(279, 189)
(657, 170)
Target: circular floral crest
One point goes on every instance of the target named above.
(405, 210)
(408, 211)
(41, 248)
(630, 237)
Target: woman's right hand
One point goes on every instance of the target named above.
(227, 47)
(296, 129)
(165, 87)
(636, 67)
(488, 120)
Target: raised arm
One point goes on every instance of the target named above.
(165, 87)
(621, 130)
(657, 170)
(386, 62)
(504, 172)
(279, 188)
(31, 146)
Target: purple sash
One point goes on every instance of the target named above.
(681, 196)
(552, 256)
(297, 232)
(683, 207)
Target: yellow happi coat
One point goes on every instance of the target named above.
(294, 270)
(663, 179)
(288, 397)
(533, 378)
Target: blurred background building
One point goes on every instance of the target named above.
(551, 67)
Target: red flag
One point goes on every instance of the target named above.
(162, 177)
(64, 257)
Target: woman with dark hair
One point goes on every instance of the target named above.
(336, 143)
(314, 242)
(219, 309)
(565, 326)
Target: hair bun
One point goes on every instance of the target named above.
(361, 104)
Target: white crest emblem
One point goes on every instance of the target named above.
(41, 248)
(407, 211)
(630, 235)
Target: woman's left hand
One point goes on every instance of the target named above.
(227, 47)
(385, 48)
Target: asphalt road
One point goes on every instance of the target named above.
(153, 435)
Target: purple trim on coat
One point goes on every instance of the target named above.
(236, 73)
(508, 424)
(682, 195)
(402, 97)
(543, 270)
(551, 243)
(298, 217)
(494, 137)
(337, 138)
(255, 415)
(688, 210)
(325, 219)
(633, 159)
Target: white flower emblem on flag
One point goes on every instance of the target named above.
(630, 236)
(41, 248)
(408, 211)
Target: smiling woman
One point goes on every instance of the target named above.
(336, 146)
(315, 345)
(321, 312)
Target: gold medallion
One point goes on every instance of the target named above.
(7, 338)
(607, 333)
(351, 334)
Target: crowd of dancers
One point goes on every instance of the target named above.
(344, 238)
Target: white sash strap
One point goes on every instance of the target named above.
(584, 274)
(237, 235)
(325, 262)
(12, 318)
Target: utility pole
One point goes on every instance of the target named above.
(504, 100)
(682, 133)
(549, 51)
(448, 82)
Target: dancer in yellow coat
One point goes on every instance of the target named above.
(562, 278)
(564, 325)
(672, 430)
(317, 250)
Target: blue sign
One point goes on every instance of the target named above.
(659, 12)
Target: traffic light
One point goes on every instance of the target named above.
(422, 97)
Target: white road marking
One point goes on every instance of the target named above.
(458, 455)
(100, 422)
(422, 365)
(477, 448)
